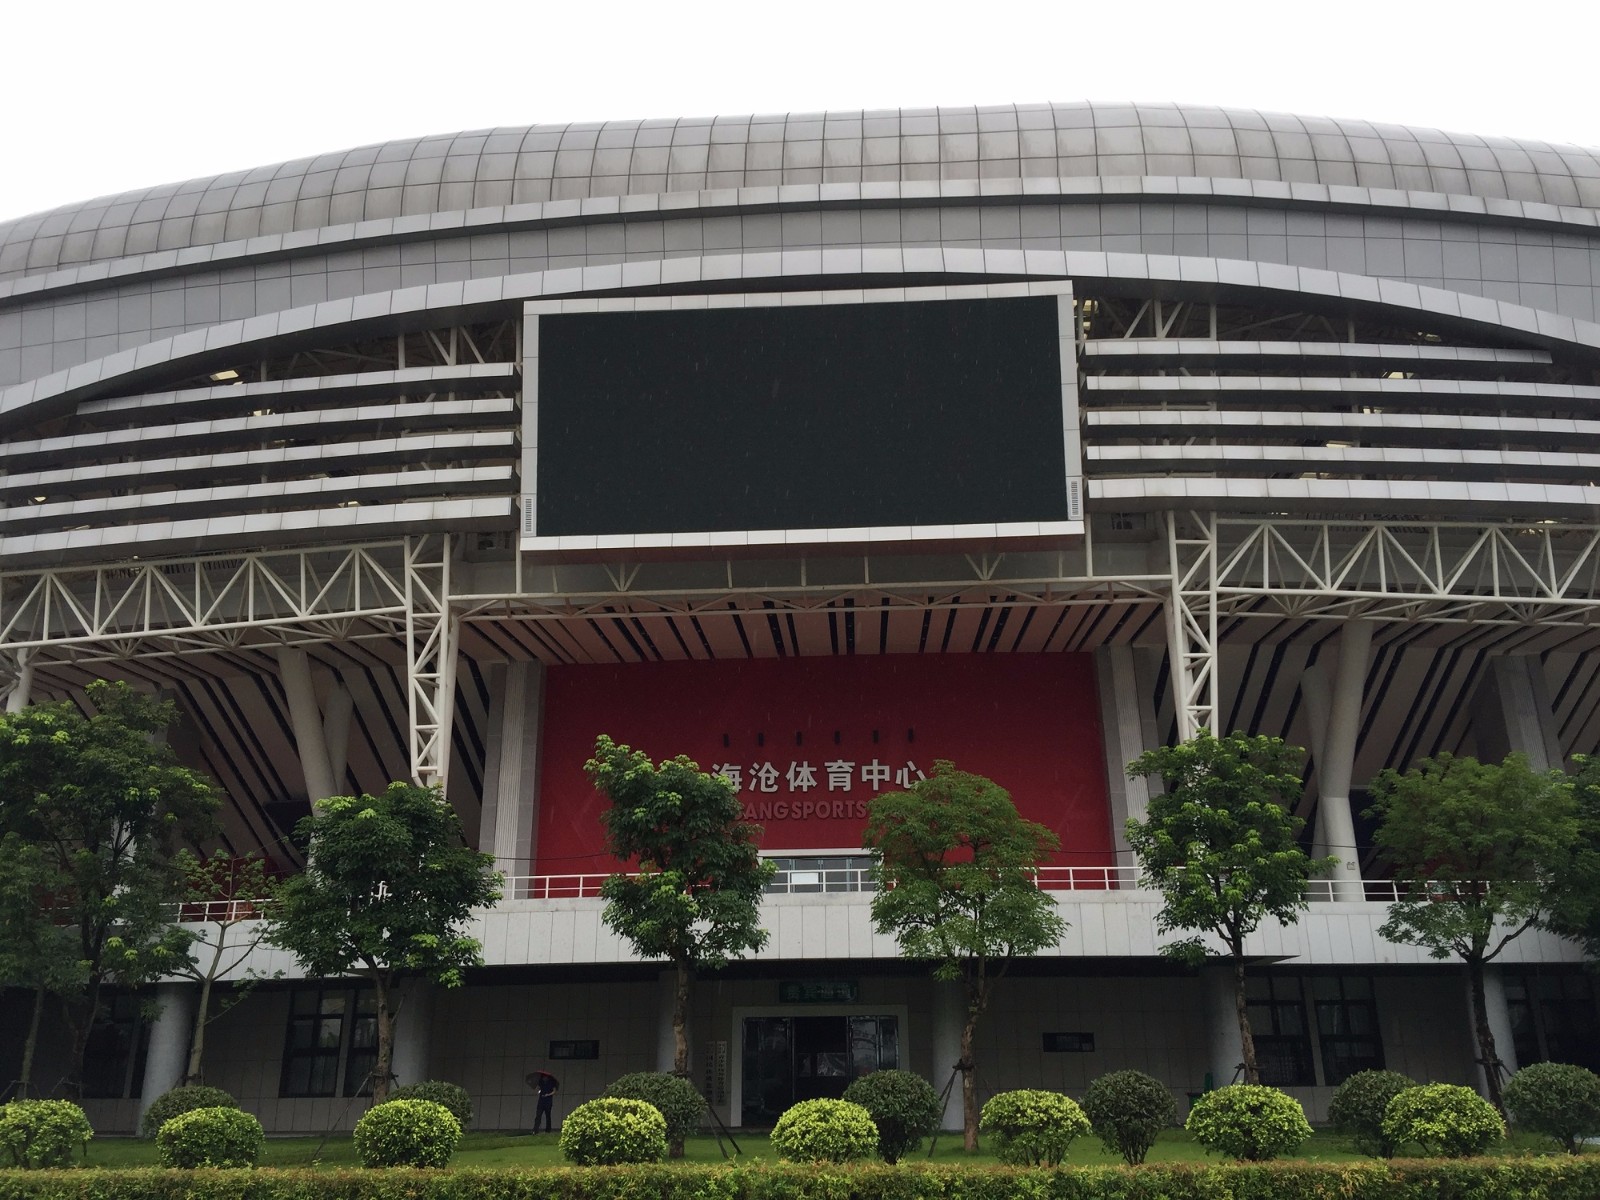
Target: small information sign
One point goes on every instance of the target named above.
(589, 1048)
(819, 991)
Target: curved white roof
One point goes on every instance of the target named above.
(514, 165)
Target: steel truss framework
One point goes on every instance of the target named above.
(407, 592)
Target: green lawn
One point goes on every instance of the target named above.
(540, 1150)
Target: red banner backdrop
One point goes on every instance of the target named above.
(810, 741)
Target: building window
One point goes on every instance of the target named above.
(1347, 1026)
(314, 1042)
(1554, 1018)
(113, 1061)
(1278, 1026)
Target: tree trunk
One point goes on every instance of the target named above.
(31, 1043)
(1247, 1041)
(197, 1040)
(80, 1020)
(1487, 1054)
(969, 1084)
(386, 1018)
(680, 1023)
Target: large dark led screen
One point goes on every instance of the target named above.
(873, 414)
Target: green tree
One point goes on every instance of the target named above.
(1575, 898)
(36, 951)
(695, 896)
(389, 881)
(107, 804)
(1477, 849)
(1221, 845)
(228, 899)
(954, 866)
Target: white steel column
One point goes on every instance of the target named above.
(510, 818)
(409, 1063)
(1225, 1048)
(336, 734)
(949, 1018)
(1513, 713)
(1192, 620)
(22, 682)
(1494, 1003)
(305, 716)
(1316, 693)
(1122, 718)
(666, 1040)
(168, 1055)
(1336, 763)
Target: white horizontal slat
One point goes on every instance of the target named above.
(279, 495)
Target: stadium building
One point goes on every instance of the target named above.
(821, 447)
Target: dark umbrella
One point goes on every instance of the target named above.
(534, 1076)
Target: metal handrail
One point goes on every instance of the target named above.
(801, 880)
(221, 911)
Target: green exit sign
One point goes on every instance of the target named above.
(819, 991)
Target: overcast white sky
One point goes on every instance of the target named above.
(102, 97)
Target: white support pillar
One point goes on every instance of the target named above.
(167, 1058)
(409, 1062)
(509, 825)
(1499, 1014)
(1336, 762)
(949, 1018)
(1316, 693)
(1513, 713)
(666, 1001)
(1123, 719)
(336, 734)
(1225, 1049)
(22, 684)
(305, 717)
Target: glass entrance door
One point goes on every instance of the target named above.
(788, 1059)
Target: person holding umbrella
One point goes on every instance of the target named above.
(546, 1085)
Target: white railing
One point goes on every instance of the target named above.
(1087, 879)
(224, 912)
(801, 880)
(554, 887)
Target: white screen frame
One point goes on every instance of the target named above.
(999, 535)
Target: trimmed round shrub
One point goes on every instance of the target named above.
(44, 1133)
(1559, 1100)
(1248, 1122)
(210, 1137)
(674, 1097)
(1032, 1128)
(452, 1095)
(406, 1133)
(1358, 1107)
(825, 1131)
(1127, 1111)
(611, 1130)
(903, 1106)
(181, 1100)
(1445, 1119)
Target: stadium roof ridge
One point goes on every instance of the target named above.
(539, 163)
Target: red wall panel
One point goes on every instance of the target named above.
(834, 732)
